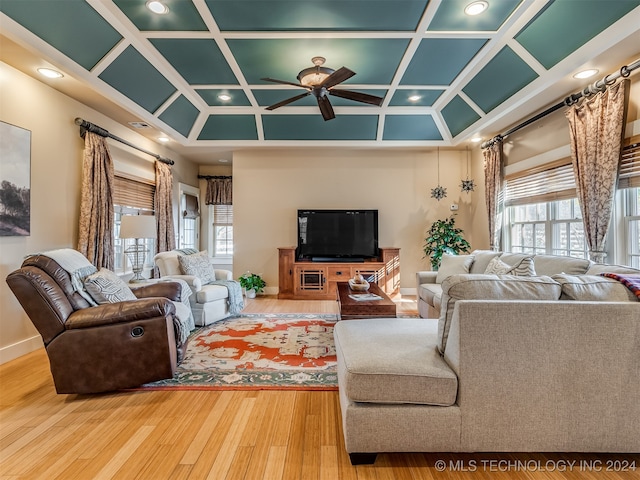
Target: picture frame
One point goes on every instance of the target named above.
(15, 181)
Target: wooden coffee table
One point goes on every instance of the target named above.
(351, 309)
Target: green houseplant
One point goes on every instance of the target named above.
(252, 282)
(444, 237)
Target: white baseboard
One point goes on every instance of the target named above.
(11, 352)
(409, 291)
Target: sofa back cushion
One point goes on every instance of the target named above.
(481, 259)
(490, 287)
(598, 268)
(552, 264)
(593, 288)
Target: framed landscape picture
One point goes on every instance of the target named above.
(15, 181)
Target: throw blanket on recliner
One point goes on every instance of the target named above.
(236, 302)
(78, 267)
(629, 280)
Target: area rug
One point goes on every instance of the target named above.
(259, 351)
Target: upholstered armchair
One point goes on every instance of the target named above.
(104, 347)
(210, 298)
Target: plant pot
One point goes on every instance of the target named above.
(251, 293)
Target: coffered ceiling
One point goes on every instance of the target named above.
(444, 76)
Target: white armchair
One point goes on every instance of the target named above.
(209, 303)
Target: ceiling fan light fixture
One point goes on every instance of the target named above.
(157, 7)
(312, 76)
(476, 8)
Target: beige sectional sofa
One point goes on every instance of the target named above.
(514, 364)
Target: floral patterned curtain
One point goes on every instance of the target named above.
(164, 208)
(493, 179)
(219, 191)
(95, 239)
(596, 126)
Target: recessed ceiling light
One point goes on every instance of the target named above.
(476, 8)
(163, 139)
(157, 7)
(223, 160)
(476, 139)
(586, 73)
(224, 97)
(414, 98)
(49, 73)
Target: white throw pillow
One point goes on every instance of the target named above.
(497, 267)
(453, 265)
(104, 286)
(198, 265)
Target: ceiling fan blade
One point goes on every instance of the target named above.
(357, 96)
(325, 108)
(287, 101)
(284, 82)
(337, 77)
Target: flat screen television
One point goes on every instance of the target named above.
(334, 235)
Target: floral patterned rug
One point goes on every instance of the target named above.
(259, 351)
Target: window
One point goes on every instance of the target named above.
(222, 230)
(631, 216)
(542, 214)
(131, 196)
(189, 225)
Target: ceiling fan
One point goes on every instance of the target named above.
(319, 81)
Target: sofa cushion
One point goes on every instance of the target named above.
(211, 293)
(198, 265)
(591, 288)
(405, 366)
(452, 265)
(490, 287)
(598, 268)
(431, 293)
(552, 264)
(481, 259)
(497, 267)
(104, 286)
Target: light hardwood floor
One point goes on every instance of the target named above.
(225, 435)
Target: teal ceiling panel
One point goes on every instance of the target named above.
(502, 77)
(458, 115)
(438, 61)
(283, 59)
(229, 127)
(451, 17)
(317, 15)
(211, 96)
(182, 16)
(132, 75)
(72, 27)
(563, 26)
(426, 98)
(198, 60)
(313, 127)
(180, 115)
(270, 97)
(410, 127)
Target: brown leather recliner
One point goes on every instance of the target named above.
(98, 348)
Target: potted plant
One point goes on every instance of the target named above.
(444, 237)
(252, 284)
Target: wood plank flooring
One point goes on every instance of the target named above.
(227, 435)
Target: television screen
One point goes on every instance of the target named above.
(324, 235)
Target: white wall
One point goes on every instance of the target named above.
(56, 164)
(269, 187)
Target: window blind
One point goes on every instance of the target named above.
(551, 182)
(223, 215)
(192, 207)
(630, 167)
(135, 193)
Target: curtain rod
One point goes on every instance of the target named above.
(207, 177)
(93, 128)
(597, 86)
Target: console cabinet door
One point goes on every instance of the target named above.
(310, 280)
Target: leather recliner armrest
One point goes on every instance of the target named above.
(170, 290)
(122, 312)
